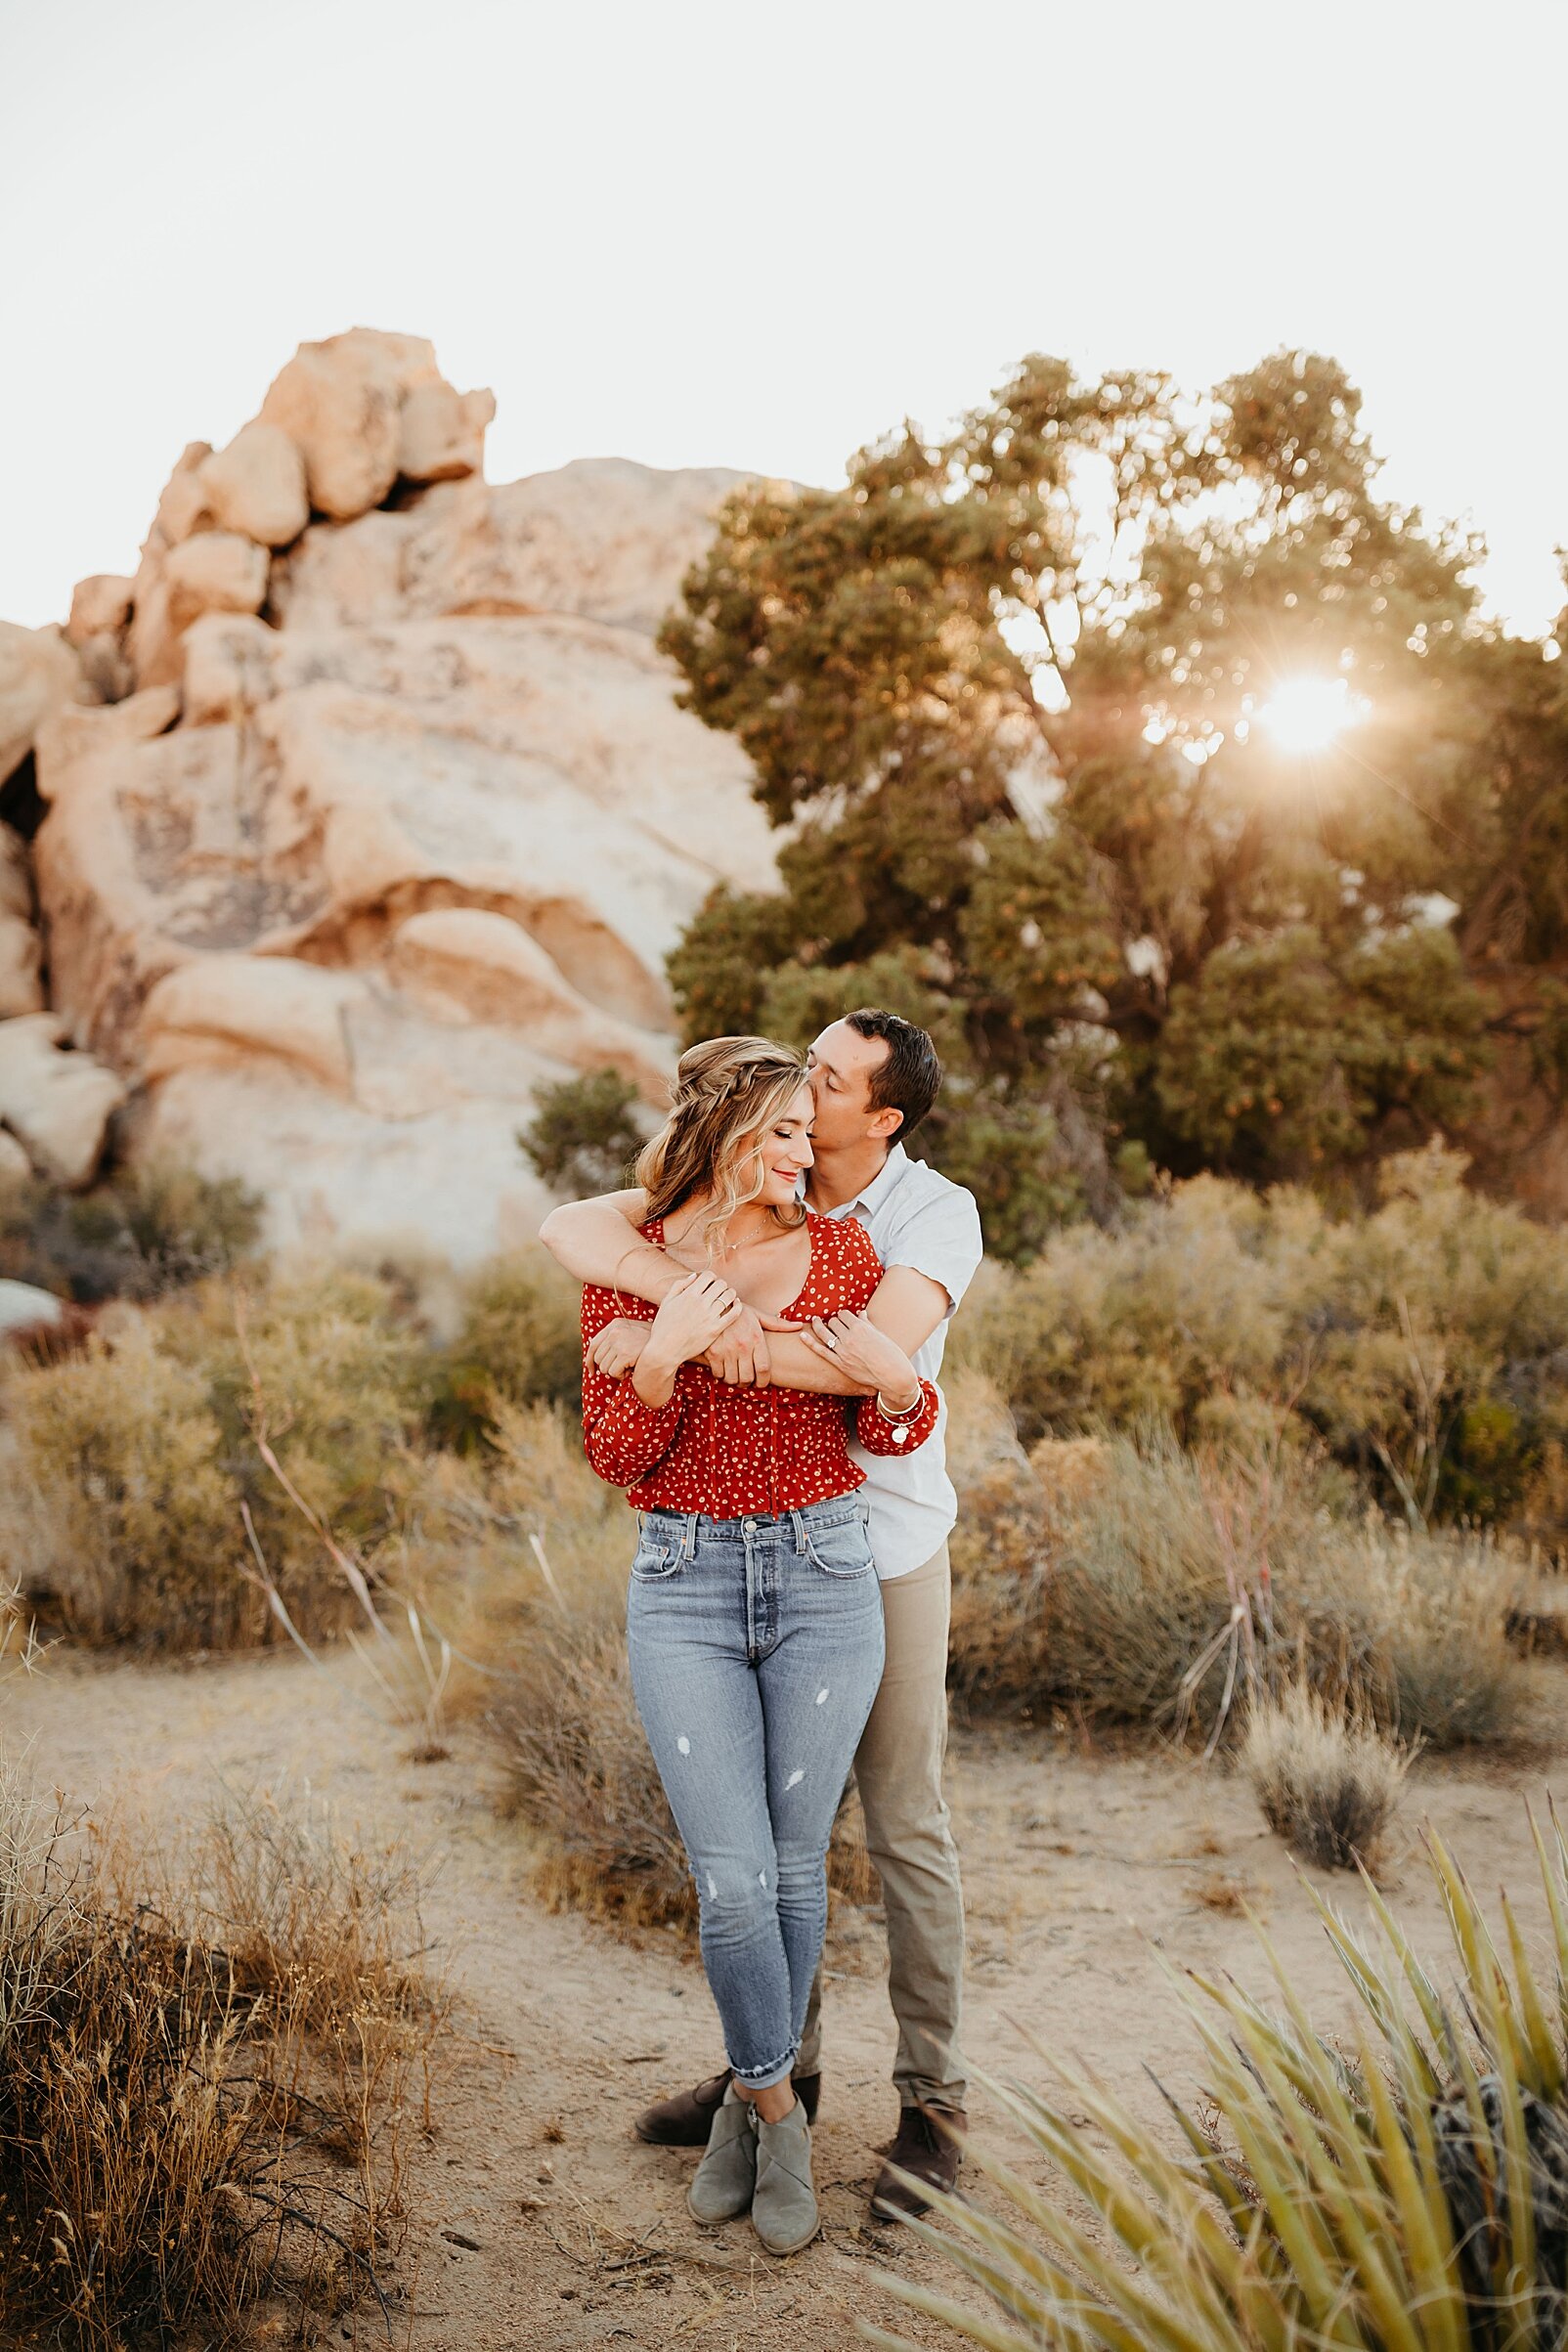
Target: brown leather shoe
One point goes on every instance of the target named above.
(686, 2119)
(930, 2145)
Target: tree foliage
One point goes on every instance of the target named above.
(583, 1134)
(1006, 696)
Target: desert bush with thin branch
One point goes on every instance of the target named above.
(136, 1462)
(1400, 2189)
(210, 2065)
(1327, 1778)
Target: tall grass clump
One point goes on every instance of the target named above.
(207, 2074)
(1327, 1780)
(1401, 2188)
(1145, 1583)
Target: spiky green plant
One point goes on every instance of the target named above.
(1405, 2192)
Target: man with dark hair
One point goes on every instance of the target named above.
(874, 1077)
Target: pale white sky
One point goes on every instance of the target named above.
(723, 234)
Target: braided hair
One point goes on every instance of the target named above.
(727, 1089)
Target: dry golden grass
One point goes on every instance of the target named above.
(1327, 1778)
(1140, 1582)
(210, 2065)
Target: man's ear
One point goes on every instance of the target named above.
(885, 1124)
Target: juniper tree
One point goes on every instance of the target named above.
(1005, 695)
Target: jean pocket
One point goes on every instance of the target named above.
(841, 1549)
(657, 1558)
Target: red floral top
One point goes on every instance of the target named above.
(728, 1451)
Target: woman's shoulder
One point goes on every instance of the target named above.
(844, 1244)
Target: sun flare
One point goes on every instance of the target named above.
(1307, 714)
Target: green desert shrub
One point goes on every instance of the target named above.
(584, 1133)
(1401, 2188)
(1423, 1345)
(318, 1367)
(519, 1340)
(1003, 1554)
(146, 1231)
(118, 1508)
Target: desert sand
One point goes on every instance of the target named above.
(539, 2222)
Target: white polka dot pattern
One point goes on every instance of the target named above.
(733, 1451)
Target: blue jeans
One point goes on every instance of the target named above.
(756, 1651)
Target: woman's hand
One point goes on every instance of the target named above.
(690, 1318)
(873, 1362)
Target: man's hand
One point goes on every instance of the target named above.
(873, 1362)
(740, 1354)
(614, 1350)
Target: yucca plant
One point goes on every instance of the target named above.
(1405, 2192)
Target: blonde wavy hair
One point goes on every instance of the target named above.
(728, 1091)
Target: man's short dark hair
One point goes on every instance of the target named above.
(908, 1079)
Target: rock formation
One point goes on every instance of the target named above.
(370, 807)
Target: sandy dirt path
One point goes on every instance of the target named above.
(540, 2223)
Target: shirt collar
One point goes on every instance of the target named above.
(882, 1183)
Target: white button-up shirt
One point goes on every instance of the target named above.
(917, 1218)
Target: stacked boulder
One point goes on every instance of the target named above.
(370, 806)
(55, 1105)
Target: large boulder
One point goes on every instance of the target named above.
(256, 486)
(39, 674)
(57, 1104)
(26, 1309)
(441, 432)
(342, 403)
(364, 866)
(100, 606)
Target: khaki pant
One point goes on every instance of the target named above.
(899, 1772)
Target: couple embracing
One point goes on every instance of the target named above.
(762, 1322)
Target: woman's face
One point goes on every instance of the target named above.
(785, 1147)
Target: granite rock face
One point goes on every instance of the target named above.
(377, 827)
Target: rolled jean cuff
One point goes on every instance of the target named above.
(762, 2078)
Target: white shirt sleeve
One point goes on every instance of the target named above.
(941, 1237)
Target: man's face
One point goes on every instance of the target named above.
(842, 1064)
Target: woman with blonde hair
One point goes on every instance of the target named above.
(754, 1615)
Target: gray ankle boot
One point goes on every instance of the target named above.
(784, 2212)
(727, 2174)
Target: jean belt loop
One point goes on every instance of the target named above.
(799, 1525)
(690, 1544)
